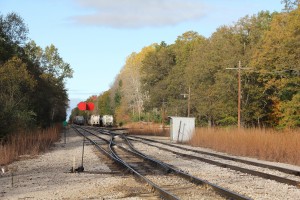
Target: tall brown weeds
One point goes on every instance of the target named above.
(265, 144)
(144, 128)
(27, 143)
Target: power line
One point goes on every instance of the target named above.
(239, 68)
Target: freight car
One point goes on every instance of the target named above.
(107, 120)
(79, 120)
(94, 120)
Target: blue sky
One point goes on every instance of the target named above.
(96, 36)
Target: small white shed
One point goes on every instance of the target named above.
(181, 128)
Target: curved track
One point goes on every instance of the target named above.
(169, 182)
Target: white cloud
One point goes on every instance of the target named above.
(139, 13)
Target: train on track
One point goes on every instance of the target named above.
(107, 120)
(79, 120)
(95, 120)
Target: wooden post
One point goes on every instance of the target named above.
(189, 99)
(82, 151)
(239, 95)
(239, 68)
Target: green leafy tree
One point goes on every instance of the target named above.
(267, 43)
(290, 5)
(291, 112)
(250, 32)
(13, 34)
(32, 79)
(16, 83)
(104, 103)
(53, 64)
(156, 67)
(278, 63)
(34, 53)
(13, 29)
(180, 79)
(207, 64)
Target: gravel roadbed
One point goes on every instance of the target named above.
(48, 176)
(234, 163)
(248, 185)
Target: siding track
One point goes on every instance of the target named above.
(167, 181)
(213, 159)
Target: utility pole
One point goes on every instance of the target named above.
(163, 114)
(239, 95)
(189, 100)
(239, 68)
(139, 106)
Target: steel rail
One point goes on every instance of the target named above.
(236, 168)
(93, 142)
(165, 166)
(163, 193)
(162, 165)
(281, 169)
(222, 191)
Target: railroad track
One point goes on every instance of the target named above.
(281, 169)
(293, 175)
(167, 181)
(228, 162)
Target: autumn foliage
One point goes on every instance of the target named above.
(192, 73)
(191, 76)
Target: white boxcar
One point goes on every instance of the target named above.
(107, 120)
(94, 120)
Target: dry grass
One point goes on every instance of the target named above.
(144, 128)
(265, 144)
(27, 143)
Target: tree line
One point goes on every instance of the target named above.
(32, 80)
(191, 77)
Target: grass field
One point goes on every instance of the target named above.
(264, 144)
(144, 128)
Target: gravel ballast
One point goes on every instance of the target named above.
(245, 184)
(48, 176)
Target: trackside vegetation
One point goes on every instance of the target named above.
(28, 144)
(33, 98)
(263, 144)
(32, 80)
(191, 76)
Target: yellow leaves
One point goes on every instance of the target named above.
(130, 76)
(279, 46)
(291, 112)
(121, 114)
(134, 61)
(14, 73)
